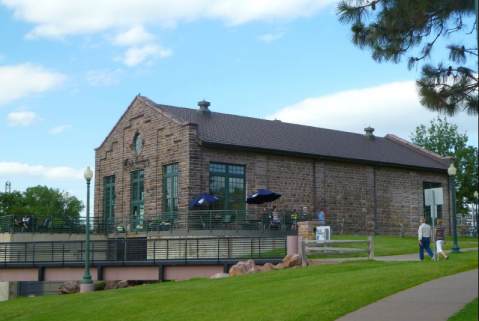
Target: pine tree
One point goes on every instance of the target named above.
(394, 28)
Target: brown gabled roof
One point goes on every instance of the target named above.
(279, 137)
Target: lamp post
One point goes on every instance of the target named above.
(87, 283)
(477, 218)
(452, 173)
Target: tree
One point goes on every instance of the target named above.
(40, 200)
(396, 27)
(444, 139)
(11, 203)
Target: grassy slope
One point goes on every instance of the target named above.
(314, 293)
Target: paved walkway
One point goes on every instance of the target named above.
(437, 300)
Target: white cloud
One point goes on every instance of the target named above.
(57, 19)
(133, 36)
(270, 37)
(104, 77)
(22, 118)
(23, 80)
(11, 169)
(137, 55)
(59, 129)
(391, 109)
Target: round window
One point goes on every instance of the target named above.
(137, 144)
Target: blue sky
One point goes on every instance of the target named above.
(69, 69)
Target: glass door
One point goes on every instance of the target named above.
(137, 201)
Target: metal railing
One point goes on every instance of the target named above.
(182, 223)
(50, 224)
(208, 220)
(144, 250)
(187, 221)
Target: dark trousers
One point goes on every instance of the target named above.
(426, 241)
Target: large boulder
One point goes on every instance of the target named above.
(242, 268)
(291, 261)
(268, 267)
(69, 288)
(123, 284)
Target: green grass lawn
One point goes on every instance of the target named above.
(392, 245)
(469, 313)
(323, 292)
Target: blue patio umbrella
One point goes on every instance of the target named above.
(262, 196)
(204, 198)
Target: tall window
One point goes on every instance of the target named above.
(170, 188)
(109, 198)
(427, 209)
(228, 182)
(137, 192)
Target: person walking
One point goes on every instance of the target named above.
(424, 236)
(440, 239)
(322, 217)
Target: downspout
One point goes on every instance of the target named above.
(156, 169)
(315, 189)
(375, 199)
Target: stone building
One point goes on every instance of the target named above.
(157, 158)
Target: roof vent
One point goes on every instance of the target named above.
(204, 111)
(369, 133)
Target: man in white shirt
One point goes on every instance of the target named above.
(424, 236)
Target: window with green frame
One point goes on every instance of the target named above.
(427, 209)
(229, 183)
(109, 198)
(170, 188)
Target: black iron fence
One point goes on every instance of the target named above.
(46, 224)
(245, 220)
(142, 249)
(217, 223)
(252, 220)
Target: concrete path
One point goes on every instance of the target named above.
(437, 300)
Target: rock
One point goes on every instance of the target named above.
(122, 284)
(267, 267)
(292, 261)
(279, 266)
(242, 268)
(237, 270)
(298, 259)
(251, 267)
(220, 276)
(111, 285)
(69, 288)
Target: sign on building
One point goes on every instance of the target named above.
(433, 197)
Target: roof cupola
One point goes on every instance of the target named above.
(369, 133)
(204, 111)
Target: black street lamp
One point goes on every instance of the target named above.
(452, 173)
(87, 283)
